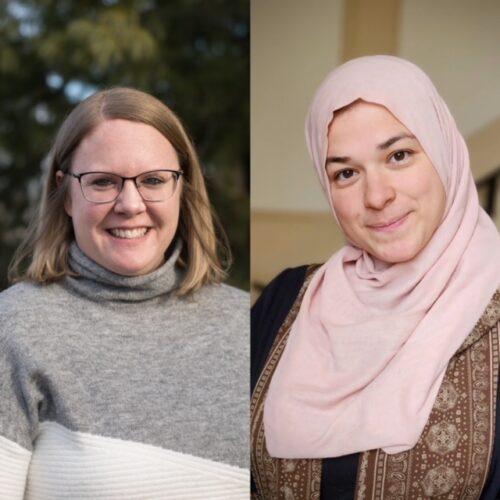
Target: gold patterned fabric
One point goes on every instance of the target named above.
(452, 457)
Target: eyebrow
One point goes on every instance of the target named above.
(394, 139)
(384, 145)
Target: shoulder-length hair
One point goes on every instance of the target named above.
(50, 233)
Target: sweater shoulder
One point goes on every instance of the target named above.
(24, 303)
(222, 310)
(234, 296)
(27, 294)
(224, 298)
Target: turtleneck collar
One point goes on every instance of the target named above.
(99, 284)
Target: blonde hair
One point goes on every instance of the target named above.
(50, 233)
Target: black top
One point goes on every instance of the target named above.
(338, 478)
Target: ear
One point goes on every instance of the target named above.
(67, 198)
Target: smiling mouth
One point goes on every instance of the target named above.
(128, 234)
(394, 224)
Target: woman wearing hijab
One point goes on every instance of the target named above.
(123, 362)
(375, 375)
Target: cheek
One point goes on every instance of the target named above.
(431, 191)
(86, 218)
(167, 217)
(345, 208)
(438, 205)
(68, 200)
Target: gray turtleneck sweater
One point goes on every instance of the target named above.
(114, 387)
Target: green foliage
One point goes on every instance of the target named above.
(193, 55)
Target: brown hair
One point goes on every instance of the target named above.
(50, 233)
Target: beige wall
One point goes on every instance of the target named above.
(457, 42)
(279, 240)
(293, 45)
(359, 36)
(484, 149)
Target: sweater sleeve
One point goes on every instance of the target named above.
(17, 421)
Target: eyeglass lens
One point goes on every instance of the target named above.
(153, 186)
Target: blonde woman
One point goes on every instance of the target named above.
(123, 360)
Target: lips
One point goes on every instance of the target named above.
(391, 224)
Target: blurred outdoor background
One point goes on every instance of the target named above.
(191, 54)
(456, 42)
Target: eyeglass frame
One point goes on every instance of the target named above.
(178, 174)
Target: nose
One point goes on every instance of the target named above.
(129, 201)
(379, 190)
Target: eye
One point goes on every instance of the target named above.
(344, 175)
(401, 156)
(99, 181)
(153, 180)
(102, 182)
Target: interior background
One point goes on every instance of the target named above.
(295, 44)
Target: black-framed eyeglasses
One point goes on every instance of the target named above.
(105, 187)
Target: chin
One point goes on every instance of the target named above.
(395, 255)
(129, 268)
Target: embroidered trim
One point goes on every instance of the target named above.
(280, 479)
(487, 320)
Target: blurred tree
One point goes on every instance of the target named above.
(193, 55)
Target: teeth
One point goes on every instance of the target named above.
(129, 233)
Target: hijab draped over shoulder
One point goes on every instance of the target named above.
(370, 345)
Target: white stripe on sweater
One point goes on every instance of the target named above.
(70, 465)
(14, 463)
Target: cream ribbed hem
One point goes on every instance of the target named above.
(76, 465)
(14, 464)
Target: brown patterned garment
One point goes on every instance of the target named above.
(453, 453)
(276, 478)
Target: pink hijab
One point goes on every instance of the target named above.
(370, 345)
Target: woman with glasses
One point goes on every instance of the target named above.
(376, 374)
(123, 360)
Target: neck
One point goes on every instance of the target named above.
(99, 284)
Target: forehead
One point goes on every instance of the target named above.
(363, 124)
(124, 146)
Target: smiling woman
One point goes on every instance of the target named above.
(375, 374)
(105, 133)
(123, 359)
(386, 193)
(125, 226)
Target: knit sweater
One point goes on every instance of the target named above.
(114, 387)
